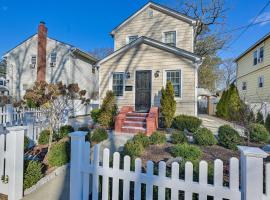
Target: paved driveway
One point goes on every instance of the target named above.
(213, 123)
(56, 189)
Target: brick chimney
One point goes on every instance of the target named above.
(41, 52)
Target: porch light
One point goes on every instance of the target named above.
(127, 75)
(157, 74)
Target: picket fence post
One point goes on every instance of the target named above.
(9, 113)
(76, 164)
(15, 145)
(252, 172)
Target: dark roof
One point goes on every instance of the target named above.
(157, 44)
(156, 5)
(265, 37)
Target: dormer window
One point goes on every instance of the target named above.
(132, 38)
(170, 38)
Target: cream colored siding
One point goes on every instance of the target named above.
(249, 73)
(154, 27)
(144, 57)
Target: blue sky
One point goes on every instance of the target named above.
(87, 24)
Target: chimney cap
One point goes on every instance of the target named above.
(42, 22)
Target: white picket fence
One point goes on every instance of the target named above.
(11, 162)
(85, 173)
(12, 115)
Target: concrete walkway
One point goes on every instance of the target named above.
(213, 123)
(56, 189)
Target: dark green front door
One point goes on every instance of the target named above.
(143, 91)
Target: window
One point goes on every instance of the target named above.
(170, 38)
(255, 57)
(132, 38)
(175, 78)
(53, 57)
(260, 81)
(261, 55)
(150, 13)
(118, 84)
(244, 86)
(34, 60)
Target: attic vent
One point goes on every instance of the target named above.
(150, 13)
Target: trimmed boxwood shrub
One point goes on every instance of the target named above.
(178, 137)
(133, 149)
(182, 122)
(98, 135)
(142, 138)
(228, 137)
(258, 133)
(186, 151)
(95, 113)
(65, 130)
(26, 142)
(59, 154)
(44, 137)
(204, 137)
(32, 173)
(157, 138)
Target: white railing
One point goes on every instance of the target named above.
(11, 115)
(83, 170)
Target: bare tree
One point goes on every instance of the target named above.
(101, 53)
(227, 72)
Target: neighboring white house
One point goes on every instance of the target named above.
(42, 58)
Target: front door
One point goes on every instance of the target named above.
(143, 91)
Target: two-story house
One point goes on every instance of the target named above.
(253, 75)
(42, 58)
(153, 46)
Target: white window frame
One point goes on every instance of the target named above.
(181, 81)
(124, 82)
(244, 82)
(163, 36)
(258, 50)
(260, 78)
(128, 36)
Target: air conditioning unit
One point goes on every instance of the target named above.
(32, 66)
(52, 64)
(260, 60)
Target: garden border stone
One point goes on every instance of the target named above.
(46, 179)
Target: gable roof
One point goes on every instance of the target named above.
(73, 49)
(161, 8)
(154, 43)
(265, 37)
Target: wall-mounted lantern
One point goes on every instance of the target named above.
(127, 75)
(157, 74)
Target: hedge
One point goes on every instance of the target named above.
(59, 154)
(182, 122)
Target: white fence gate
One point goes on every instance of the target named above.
(11, 162)
(84, 176)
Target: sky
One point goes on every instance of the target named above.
(86, 24)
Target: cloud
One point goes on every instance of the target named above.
(262, 19)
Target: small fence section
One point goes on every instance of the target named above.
(85, 177)
(11, 162)
(15, 116)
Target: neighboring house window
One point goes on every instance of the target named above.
(33, 61)
(150, 13)
(132, 38)
(244, 86)
(170, 38)
(53, 59)
(261, 54)
(255, 57)
(118, 84)
(260, 81)
(175, 77)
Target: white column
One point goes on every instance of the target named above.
(252, 172)
(9, 113)
(76, 164)
(15, 161)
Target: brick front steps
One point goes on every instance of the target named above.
(132, 122)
